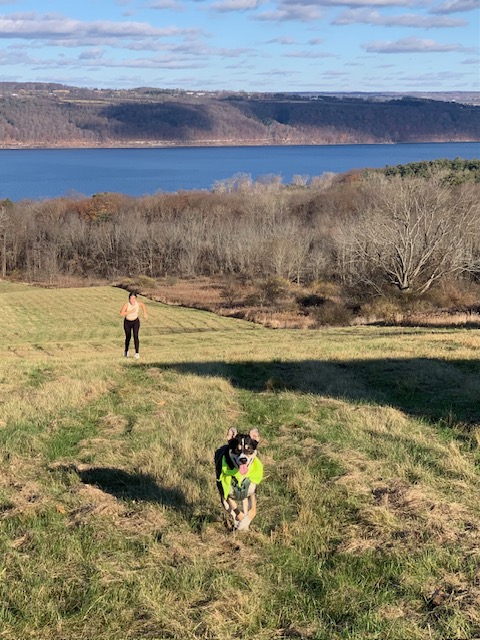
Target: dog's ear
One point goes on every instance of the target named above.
(254, 435)
(232, 432)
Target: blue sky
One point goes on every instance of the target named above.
(249, 45)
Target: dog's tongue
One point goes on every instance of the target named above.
(243, 468)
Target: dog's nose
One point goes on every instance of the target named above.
(243, 459)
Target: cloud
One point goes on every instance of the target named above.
(335, 74)
(134, 44)
(152, 63)
(309, 10)
(10, 58)
(197, 48)
(411, 45)
(356, 3)
(309, 54)
(182, 55)
(291, 12)
(235, 5)
(426, 79)
(365, 16)
(52, 26)
(275, 72)
(243, 67)
(190, 49)
(91, 54)
(285, 41)
(161, 62)
(170, 5)
(452, 6)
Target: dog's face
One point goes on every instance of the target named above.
(242, 448)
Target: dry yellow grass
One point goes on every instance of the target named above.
(110, 524)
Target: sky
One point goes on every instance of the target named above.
(244, 45)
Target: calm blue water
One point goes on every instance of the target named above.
(55, 172)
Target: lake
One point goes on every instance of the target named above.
(49, 173)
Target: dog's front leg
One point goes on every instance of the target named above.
(250, 510)
(231, 507)
(244, 523)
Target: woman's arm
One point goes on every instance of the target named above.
(144, 309)
(123, 312)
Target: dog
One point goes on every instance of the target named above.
(238, 472)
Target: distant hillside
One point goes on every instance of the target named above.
(49, 115)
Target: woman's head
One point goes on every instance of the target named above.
(132, 296)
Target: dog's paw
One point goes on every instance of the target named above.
(244, 524)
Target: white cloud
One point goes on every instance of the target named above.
(276, 72)
(91, 54)
(428, 78)
(291, 12)
(170, 5)
(240, 66)
(190, 54)
(411, 45)
(309, 10)
(335, 74)
(356, 3)
(365, 16)
(453, 6)
(197, 48)
(235, 5)
(50, 26)
(282, 41)
(164, 62)
(309, 54)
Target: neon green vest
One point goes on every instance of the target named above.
(254, 474)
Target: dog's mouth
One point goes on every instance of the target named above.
(242, 461)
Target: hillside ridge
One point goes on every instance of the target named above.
(50, 115)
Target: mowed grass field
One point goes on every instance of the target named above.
(368, 519)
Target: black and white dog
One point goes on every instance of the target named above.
(238, 472)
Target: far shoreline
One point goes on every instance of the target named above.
(208, 145)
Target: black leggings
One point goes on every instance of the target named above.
(128, 325)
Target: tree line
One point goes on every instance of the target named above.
(370, 232)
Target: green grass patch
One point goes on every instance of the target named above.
(110, 523)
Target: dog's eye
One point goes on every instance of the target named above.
(247, 447)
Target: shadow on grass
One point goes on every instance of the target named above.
(132, 486)
(433, 389)
(138, 487)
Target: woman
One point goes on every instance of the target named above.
(130, 311)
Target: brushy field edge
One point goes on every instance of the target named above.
(110, 525)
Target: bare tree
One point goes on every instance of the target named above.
(411, 233)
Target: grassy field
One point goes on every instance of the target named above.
(110, 523)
